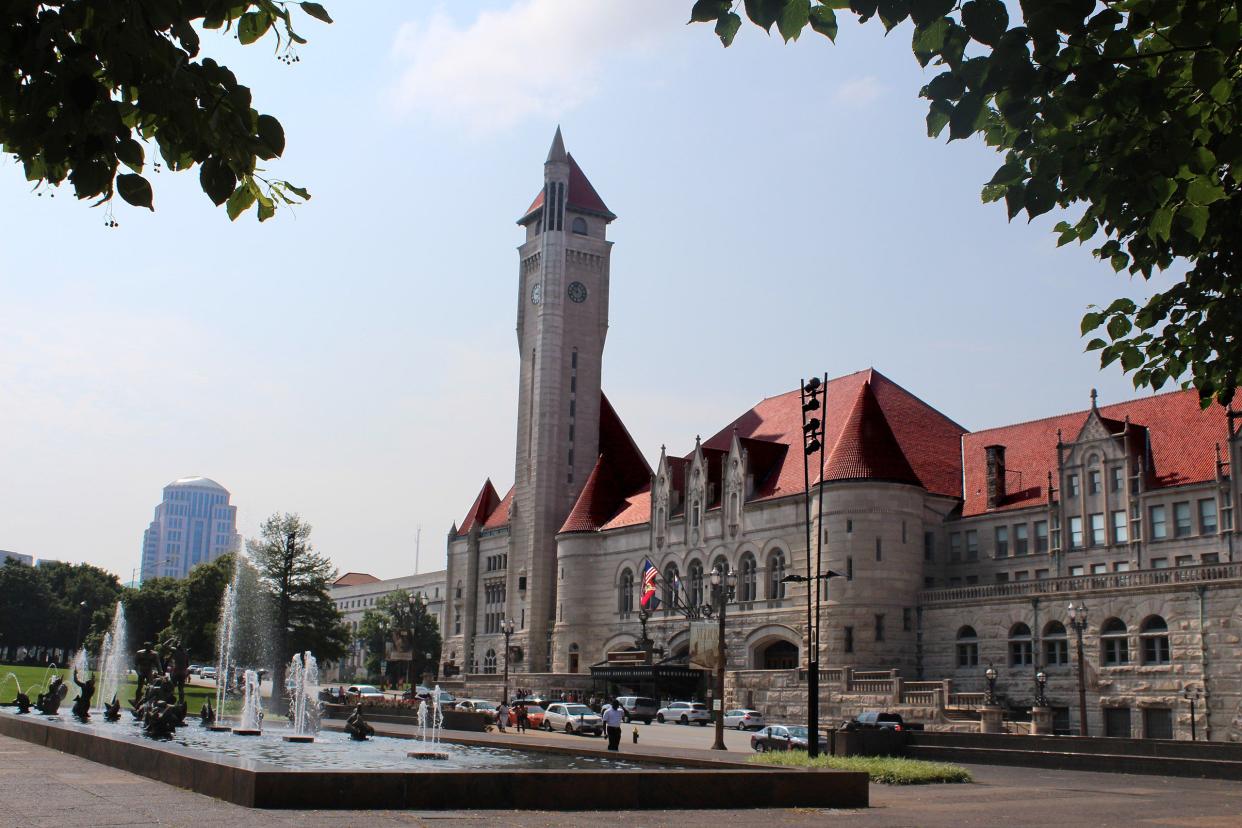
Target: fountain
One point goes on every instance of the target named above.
(224, 649)
(113, 659)
(252, 707)
(302, 687)
(436, 723)
(21, 701)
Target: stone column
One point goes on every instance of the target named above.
(990, 719)
(1041, 721)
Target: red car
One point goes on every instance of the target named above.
(534, 716)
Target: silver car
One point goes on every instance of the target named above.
(743, 719)
(572, 718)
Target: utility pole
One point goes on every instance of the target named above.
(418, 537)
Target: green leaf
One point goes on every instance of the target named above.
(1161, 224)
(1118, 326)
(824, 21)
(266, 210)
(893, 12)
(1011, 172)
(1193, 218)
(726, 28)
(316, 11)
(272, 136)
(938, 117)
(929, 39)
(1131, 358)
(135, 189)
(300, 192)
(1208, 69)
(708, 10)
(966, 116)
(216, 179)
(252, 26)
(923, 12)
(794, 18)
(130, 153)
(1096, 344)
(1015, 199)
(763, 13)
(240, 201)
(1041, 196)
(1091, 321)
(985, 20)
(1204, 191)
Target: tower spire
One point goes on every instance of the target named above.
(557, 152)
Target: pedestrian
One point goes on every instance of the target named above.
(523, 720)
(502, 716)
(612, 720)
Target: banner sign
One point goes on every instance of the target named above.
(704, 645)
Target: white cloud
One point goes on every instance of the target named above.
(858, 91)
(536, 58)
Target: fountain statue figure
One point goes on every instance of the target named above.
(357, 727)
(112, 710)
(82, 704)
(48, 703)
(206, 716)
(147, 664)
(177, 664)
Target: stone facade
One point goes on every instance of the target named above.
(953, 549)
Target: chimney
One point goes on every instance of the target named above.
(996, 475)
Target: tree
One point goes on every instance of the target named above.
(148, 609)
(1126, 108)
(87, 86)
(24, 603)
(297, 578)
(69, 586)
(404, 621)
(197, 614)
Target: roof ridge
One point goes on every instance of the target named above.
(1083, 411)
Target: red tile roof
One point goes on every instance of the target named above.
(620, 473)
(1182, 438)
(866, 448)
(582, 197)
(354, 579)
(484, 504)
(500, 515)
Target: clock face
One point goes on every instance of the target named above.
(536, 293)
(577, 292)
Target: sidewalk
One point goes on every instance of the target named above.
(42, 787)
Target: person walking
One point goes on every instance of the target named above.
(612, 720)
(502, 716)
(523, 720)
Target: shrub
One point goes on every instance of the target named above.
(887, 770)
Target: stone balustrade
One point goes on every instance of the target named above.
(1088, 583)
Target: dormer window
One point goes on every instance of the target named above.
(579, 226)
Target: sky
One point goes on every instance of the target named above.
(781, 213)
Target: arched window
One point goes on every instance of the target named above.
(780, 655)
(967, 647)
(489, 662)
(694, 516)
(1020, 645)
(671, 580)
(625, 593)
(458, 594)
(1056, 644)
(1155, 636)
(696, 584)
(573, 658)
(748, 579)
(579, 226)
(776, 574)
(734, 509)
(1115, 642)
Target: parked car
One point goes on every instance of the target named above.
(878, 719)
(478, 706)
(573, 718)
(743, 719)
(684, 712)
(208, 673)
(534, 715)
(363, 692)
(638, 708)
(784, 737)
(196, 669)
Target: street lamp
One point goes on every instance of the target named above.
(813, 394)
(724, 585)
(1192, 694)
(506, 627)
(1041, 683)
(990, 675)
(1078, 620)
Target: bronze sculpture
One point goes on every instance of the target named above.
(357, 727)
(82, 704)
(206, 715)
(112, 712)
(177, 664)
(146, 663)
(49, 703)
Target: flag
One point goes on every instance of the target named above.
(648, 599)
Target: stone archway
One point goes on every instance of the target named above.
(773, 647)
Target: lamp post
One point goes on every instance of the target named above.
(507, 628)
(813, 394)
(724, 585)
(1041, 683)
(990, 675)
(1078, 620)
(1192, 694)
(813, 694)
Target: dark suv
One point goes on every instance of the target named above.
(879, 720)
(638, 708)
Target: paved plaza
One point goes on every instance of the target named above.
(43, 787)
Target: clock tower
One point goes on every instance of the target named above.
(562, 320)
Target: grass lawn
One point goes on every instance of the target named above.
(34, 677)
(888, 770)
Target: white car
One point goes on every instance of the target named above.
(208, 673)
(363, 692)
(478, 706)
(684, 713)
(743, 719)
(572, 718)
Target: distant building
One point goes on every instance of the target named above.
(5, 555)
(194, 524)
(47, 561)
(357, 592)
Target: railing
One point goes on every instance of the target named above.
(1086, 583)
(872, 686)
(864, 675)
(968, 701)
(922, 686)
(925, 698)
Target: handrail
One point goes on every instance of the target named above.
(1087, 583)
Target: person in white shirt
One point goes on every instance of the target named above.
(613, 716)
